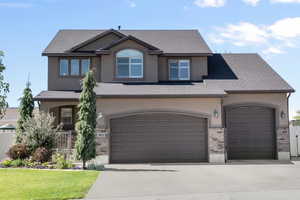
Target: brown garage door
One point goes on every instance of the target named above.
(250, 132)
(158, 137)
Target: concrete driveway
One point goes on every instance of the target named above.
(234, 181)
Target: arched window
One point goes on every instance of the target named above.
(129, 64)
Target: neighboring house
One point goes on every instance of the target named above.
(7, 130)
(8, 126)
(166, 97)
(295, 137)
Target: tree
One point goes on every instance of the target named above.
(85, 144)
(40, 131)
(4, 88)
(297, 117)
(25, 110)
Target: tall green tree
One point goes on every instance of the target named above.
(25, 111)
(85, 144)
(4, 88)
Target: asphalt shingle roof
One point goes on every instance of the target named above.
(169, 41)
(244, 72)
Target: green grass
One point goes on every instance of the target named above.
(31, 184)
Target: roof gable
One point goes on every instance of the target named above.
(150, 47)
(98, 40)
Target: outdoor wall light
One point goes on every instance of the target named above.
(216, 113)
(282, 114)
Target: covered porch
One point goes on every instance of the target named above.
(65, 113)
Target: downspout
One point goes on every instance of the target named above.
(288, 117)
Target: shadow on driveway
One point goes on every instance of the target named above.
(136, 170)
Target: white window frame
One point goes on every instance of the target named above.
(130, 65)
(178, 61)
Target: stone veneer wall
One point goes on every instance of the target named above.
(283, 143)
(216, 145)
(102, 144)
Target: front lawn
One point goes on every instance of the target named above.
(32, 184)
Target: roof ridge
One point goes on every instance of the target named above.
(129, 29)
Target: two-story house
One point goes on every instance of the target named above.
(166, 97)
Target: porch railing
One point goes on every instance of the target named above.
(65, 142)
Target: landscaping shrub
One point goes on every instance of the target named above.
(61, 162)
(17, 163)
(40, 131)
(6, 163)
(41, 154)
(18, 151)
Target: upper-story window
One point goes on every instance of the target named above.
(129, 64)
(179, 69)
(64, 67)
(74, 66)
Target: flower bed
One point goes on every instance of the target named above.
(57, 162)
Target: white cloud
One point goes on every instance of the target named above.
(131, 3)
(274, 38)
(15, 5)
(286, 28)
(243, 34)
(285, 1)
(252, 2)
(273, 50)
(210, 3)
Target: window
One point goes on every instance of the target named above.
(66, 116)
(179, 69)
(64, 67)
(129, 64)
(74, 67)
(85, 66)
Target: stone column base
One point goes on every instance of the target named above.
(284, 156)
(217, 158)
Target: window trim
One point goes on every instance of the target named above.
(69, 66)
(130, 63)
(178, 60)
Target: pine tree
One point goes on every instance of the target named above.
(25, 111)
(85, 127)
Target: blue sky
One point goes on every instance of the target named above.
(269, 27)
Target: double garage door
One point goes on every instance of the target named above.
(158, 137)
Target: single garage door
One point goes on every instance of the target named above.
(250, 132)
(158, 137)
